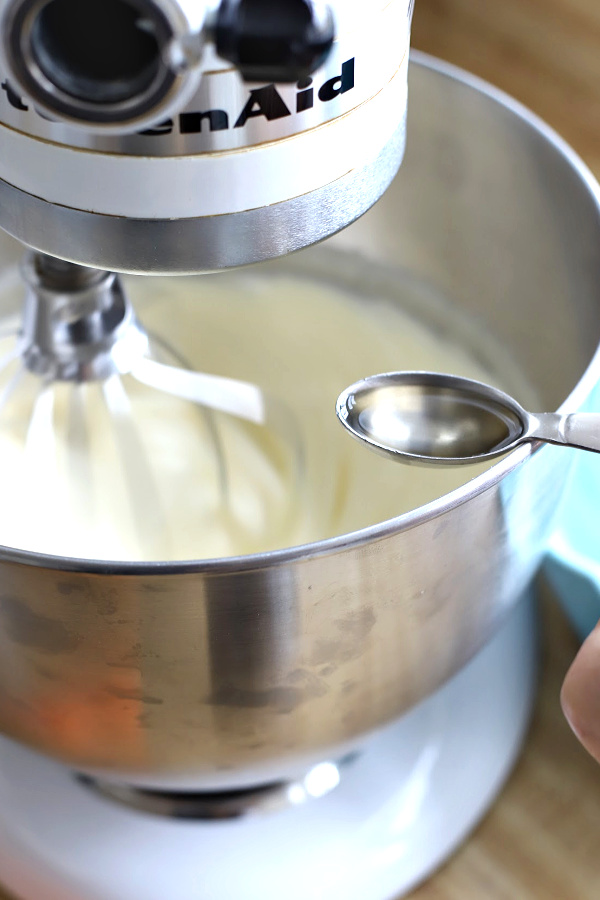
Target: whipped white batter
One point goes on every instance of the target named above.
(121, 471)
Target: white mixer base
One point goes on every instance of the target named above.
(399, 811)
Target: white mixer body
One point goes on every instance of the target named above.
(240, 172)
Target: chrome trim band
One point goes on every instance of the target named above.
(185, 246)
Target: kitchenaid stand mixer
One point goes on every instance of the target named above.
(211, 136)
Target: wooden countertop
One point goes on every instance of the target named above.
(541, 841)
(546, 53)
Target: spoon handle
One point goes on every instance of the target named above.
(580, 430)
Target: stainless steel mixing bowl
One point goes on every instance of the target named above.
(231, 673)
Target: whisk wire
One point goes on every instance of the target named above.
(165, 349)
(238, 398)
(144, 497)
(12, 385)
(79, 457)
(40, 469)
(13, 354)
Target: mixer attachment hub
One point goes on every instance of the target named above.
(78, 324)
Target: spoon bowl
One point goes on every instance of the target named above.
(429, 418)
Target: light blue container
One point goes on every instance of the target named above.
(572, 563)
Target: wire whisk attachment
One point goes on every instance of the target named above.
(117, 449)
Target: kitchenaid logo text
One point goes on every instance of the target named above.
(266, 102)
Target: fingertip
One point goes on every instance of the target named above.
(580, 694)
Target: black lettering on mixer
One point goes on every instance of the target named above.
(17, 102)
(12, 97)
(268, 102)
(191, 122)
(164, 127)
(305, 98)
(265, 101)
(339, 85)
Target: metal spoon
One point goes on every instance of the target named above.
(433, 419)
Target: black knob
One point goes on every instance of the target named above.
(274, 40)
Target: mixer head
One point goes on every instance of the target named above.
(167, 136)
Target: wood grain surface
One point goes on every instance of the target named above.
(541, 841)
(546, 53)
